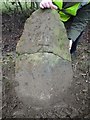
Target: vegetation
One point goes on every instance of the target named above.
(18, 6)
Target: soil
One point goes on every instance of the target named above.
(12, 107)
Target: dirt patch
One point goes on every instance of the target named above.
(12, 27)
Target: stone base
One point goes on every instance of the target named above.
(43, 79)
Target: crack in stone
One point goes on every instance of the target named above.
(38, 52)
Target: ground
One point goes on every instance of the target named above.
(12, 28)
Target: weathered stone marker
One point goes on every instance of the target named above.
(43, 67)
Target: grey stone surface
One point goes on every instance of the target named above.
(43, 66)
(44, 32)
